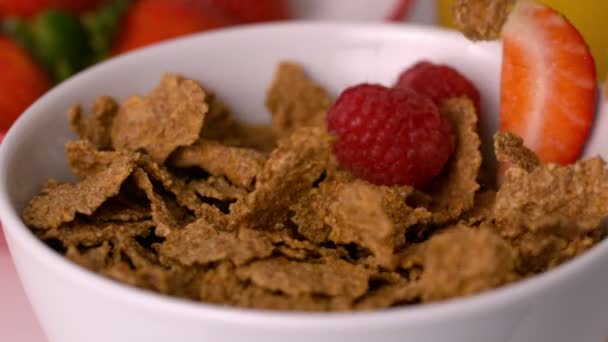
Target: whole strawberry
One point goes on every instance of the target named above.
(250, 11)
(56, 39)
(390, 136)
(22, 81)
(439, 82)
(29, 8)
(151, 21)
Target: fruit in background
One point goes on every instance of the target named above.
(390, 136)
(57, 40)
(22, 81)
(101, 26)
(78, 6)
(439, 82)
(250, 11)
(151, 21)
(548, 85)
(28, 8)
(401, 11)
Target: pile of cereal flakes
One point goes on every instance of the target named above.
(175, 196)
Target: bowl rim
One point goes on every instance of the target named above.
(18, 234)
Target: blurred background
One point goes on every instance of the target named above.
(43, 42)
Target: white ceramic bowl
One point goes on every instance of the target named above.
(73, 305)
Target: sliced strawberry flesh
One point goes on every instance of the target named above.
(548, 83)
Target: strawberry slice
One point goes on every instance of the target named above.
(548, 85)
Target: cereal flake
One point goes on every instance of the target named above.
(97, 128)
(169, 117)
(374, 217)
(294, 100)
(62, 203)
(288, 173)
(510, 149)
(85, 159)
(481, 19)
(454, 191)
(240, 165)
(462, 261)
(573, 197)
(332, 277)
(161, 215)
(218, 188)
(201, 243)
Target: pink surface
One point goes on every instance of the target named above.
(17, 321)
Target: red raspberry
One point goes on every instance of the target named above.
(390, 136)
(439, 82)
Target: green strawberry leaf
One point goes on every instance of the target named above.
(102, 26)
(56, 39)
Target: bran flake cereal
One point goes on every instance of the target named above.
(309, 213)
(221, 286)
(178, 197)
(295, 101)
(365, 214)
(240, 165)
(62, 203)
(219, 124)
(141, 269)
(510, 149)
(122, 208)
(332, 277)
(481, 19)
(79, 233)
(462, 261)
(85, 159)
(454, 193)
(185, 196)
(550, 197)
(218, 188)
(95, 258)
(169, 117)
(552, 213)
(402, 292)
(97, 127)
(163, 218)
(201, 243)
(289, 171)
(257, 137)
(482, 209)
